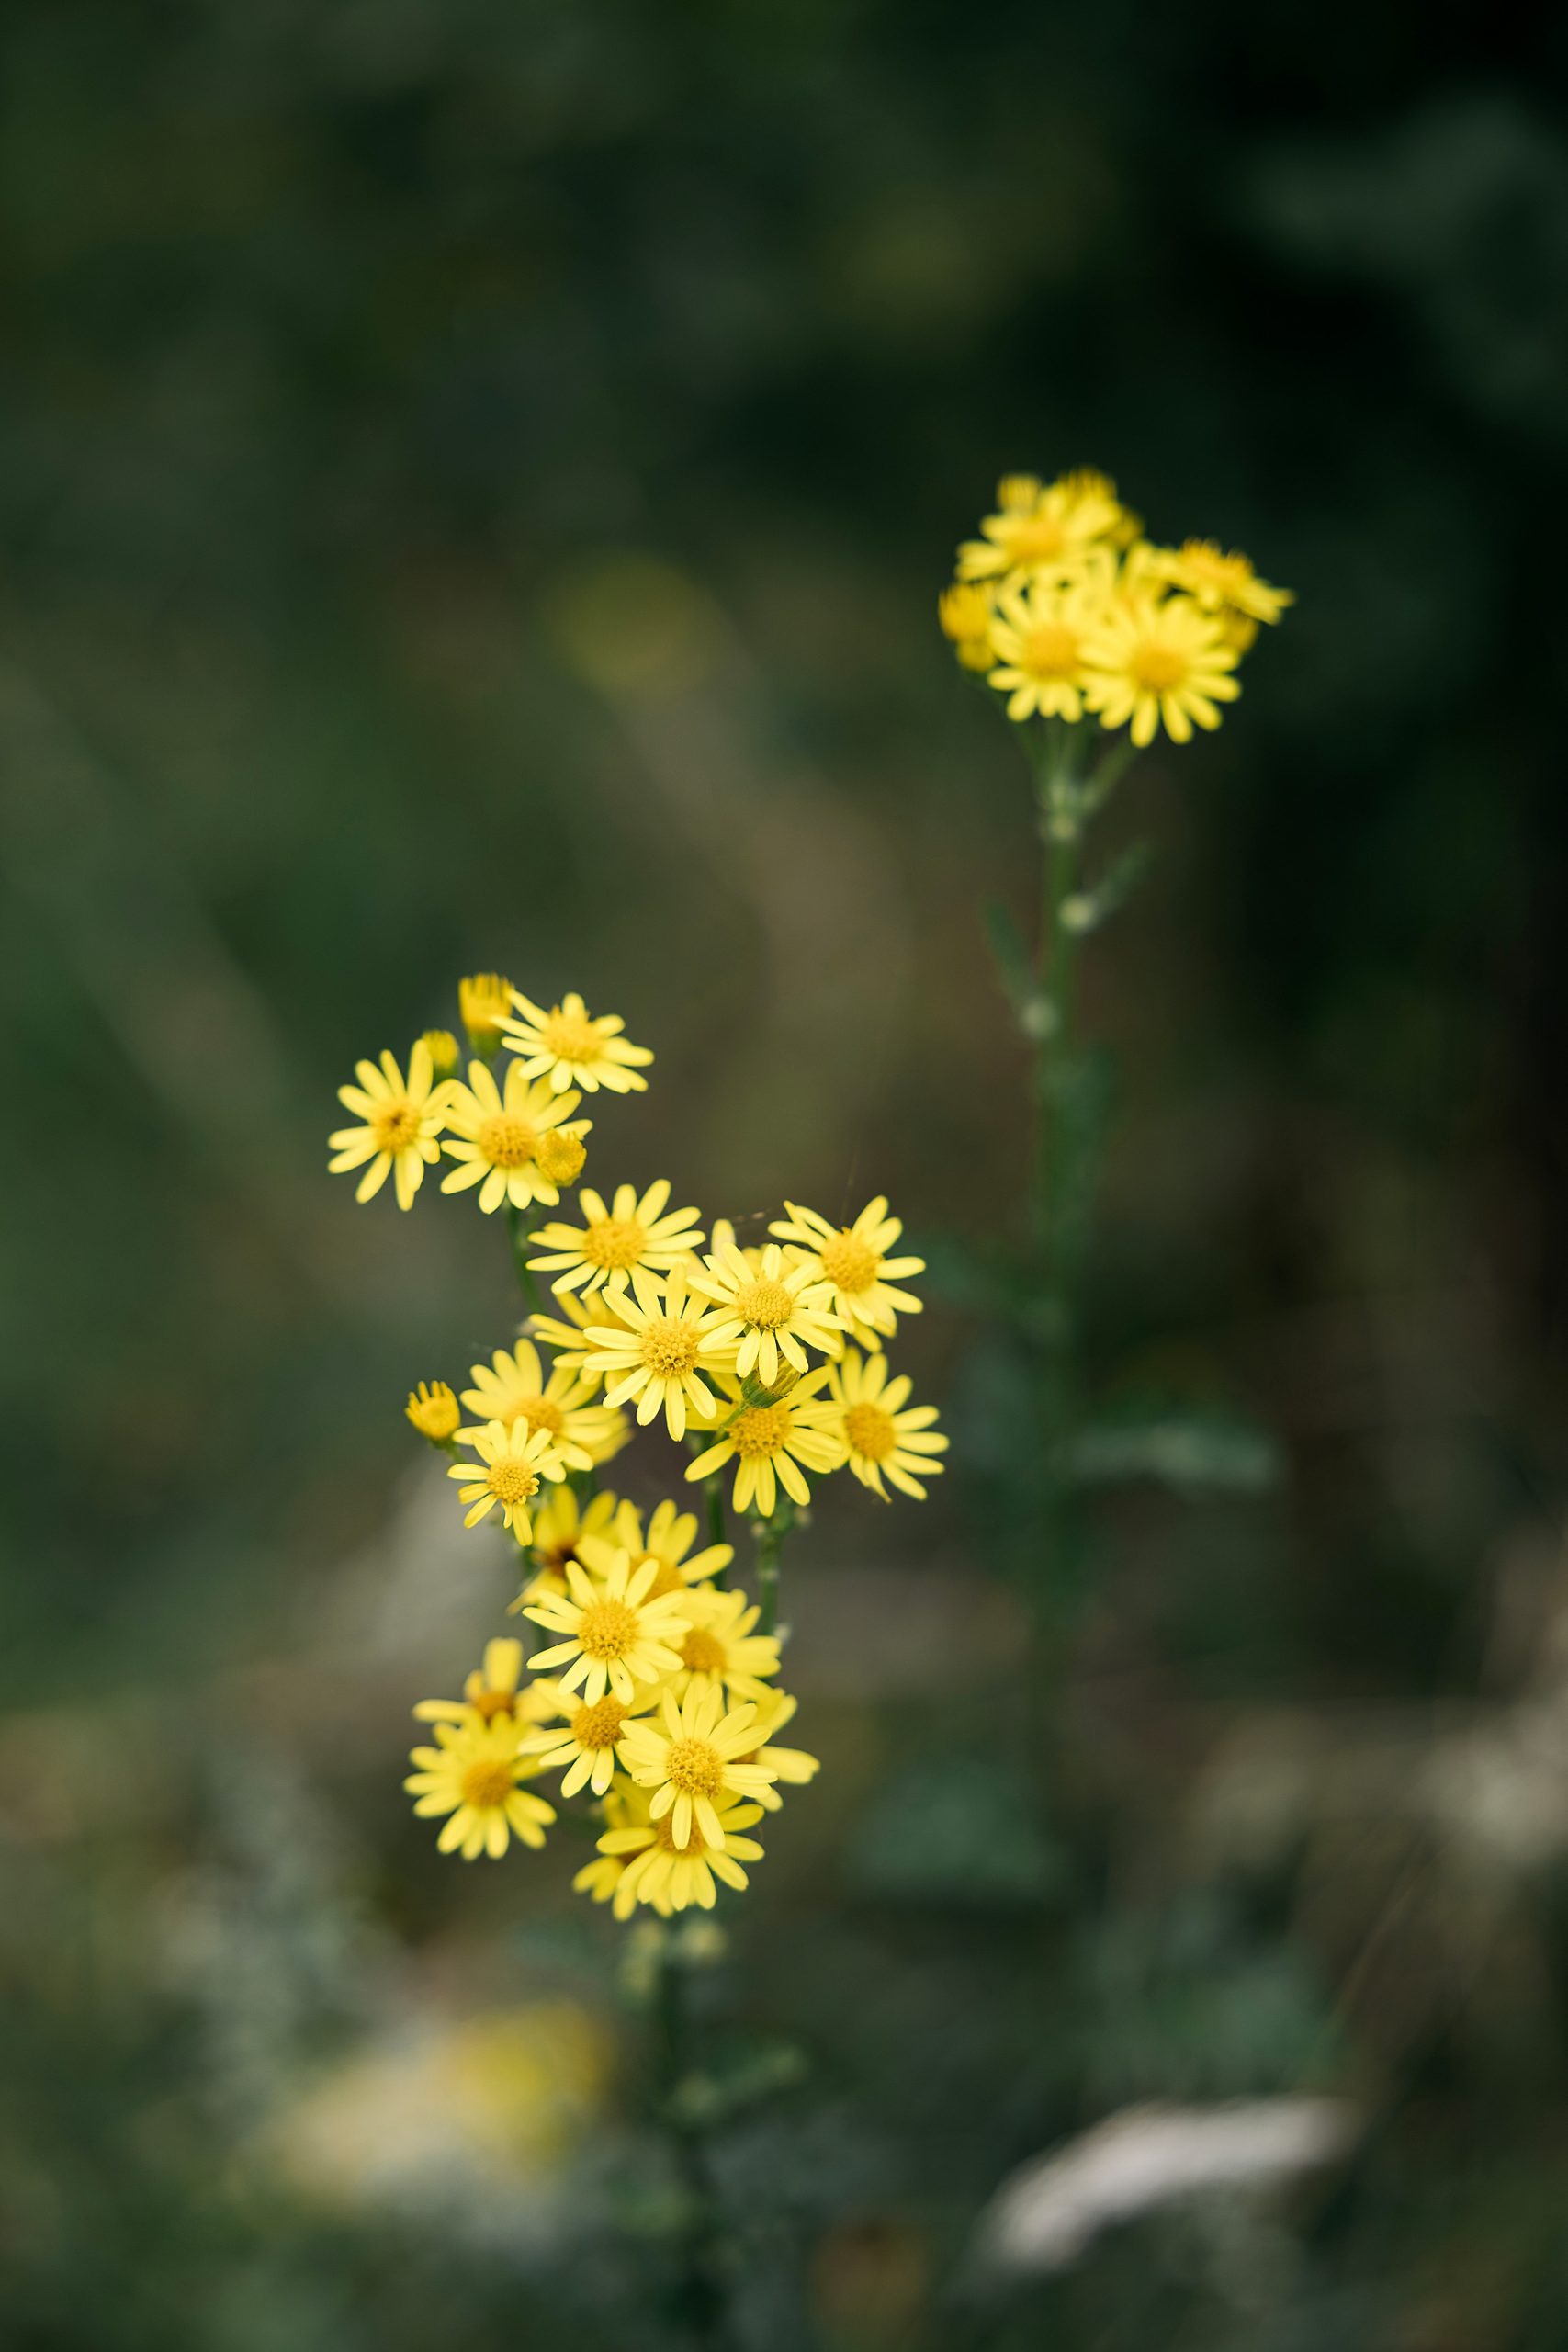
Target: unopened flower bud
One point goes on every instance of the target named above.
(432, 1409)
(559, 1156)
(443, 1049)
(483, 999)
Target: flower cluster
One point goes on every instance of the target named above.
(1066, 609)
(654, 1692)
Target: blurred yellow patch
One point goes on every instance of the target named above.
(631, 624)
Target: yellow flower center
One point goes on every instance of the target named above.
(703, 1651)
(600, 1726)
(571, 1038)
(669, 1348)
(765, 1306)
(488, 1784)
(615, 1242)
(490, 1703)
(694, 1768)
(664, 1833)
(511, 1481)
(760, 1429)
(607, 1629)
(560, 1156)
(506, 1140)
(1036, 538)
(848, 1262)
(541, 1413)
(1051, 651)
(1157, 668)
(870, 1431)
(395, 1126)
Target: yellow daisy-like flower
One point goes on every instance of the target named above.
(472, 1775)
(587, 1742)
(432, 1409)
(491, 1691)
(671, 1874)
(1039, 533)
(769, 1313)
(616, 1635)
(499, 1137)
(884, 1434)
(720, 1651)
(581, 1312)
(853, 1261)
(964, 614)
(1218, 581)
(443, 1049)
(655, 1360)
(687, 1759)
(513, 1465)
(769, 1442)
(513, 1387)
(402, 1119)
(669, 1538)
(617, 1240)
(484, 1000)
(567, 1047)
(1151, 662)
(792, 1766)
(1038, 636)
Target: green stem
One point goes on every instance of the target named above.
(713, 1489)
(769, 1537)
(520, 1225)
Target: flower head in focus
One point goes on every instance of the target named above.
(566, 1046)
(403, 1118)
(617, 1240)
(585, 1744)
(513, 1465)
(513, 1387)
(769, 1442)
(670, 1873)
(656, 1360)
(721, 1651)
(687, 1759)
(885, 1435)
(854, 1262)
(768, 1314)
(665, 1544)
(497, 1136)
(613, 1634)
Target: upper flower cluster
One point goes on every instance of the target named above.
(1066, 608)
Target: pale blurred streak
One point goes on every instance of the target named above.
(1048, 2212)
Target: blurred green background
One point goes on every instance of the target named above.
(474, 482)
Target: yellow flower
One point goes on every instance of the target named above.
(562, 1155)
(792, 1766)
(615, 1240)
(568, 1048)
(852, 1260)
(513, 1465)
(617, 1634)
(1038, 636)
(1040, 534)
(884, 1434)
(561, 1526)
(669, 1539)
(586, 1743)
(769, 1442)
(442, 1047)
(483, 1001)
(670, 1873)
(472, 1774)
(688, 1760)
(491, 1691)
(499, 1136)
(655, 1360)
(1218, 581)
(964, 614)
(402, 1124)
(721, 1652)
(512, 1388)
(1150, 662)
(432, 1409)
(772, 1311)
